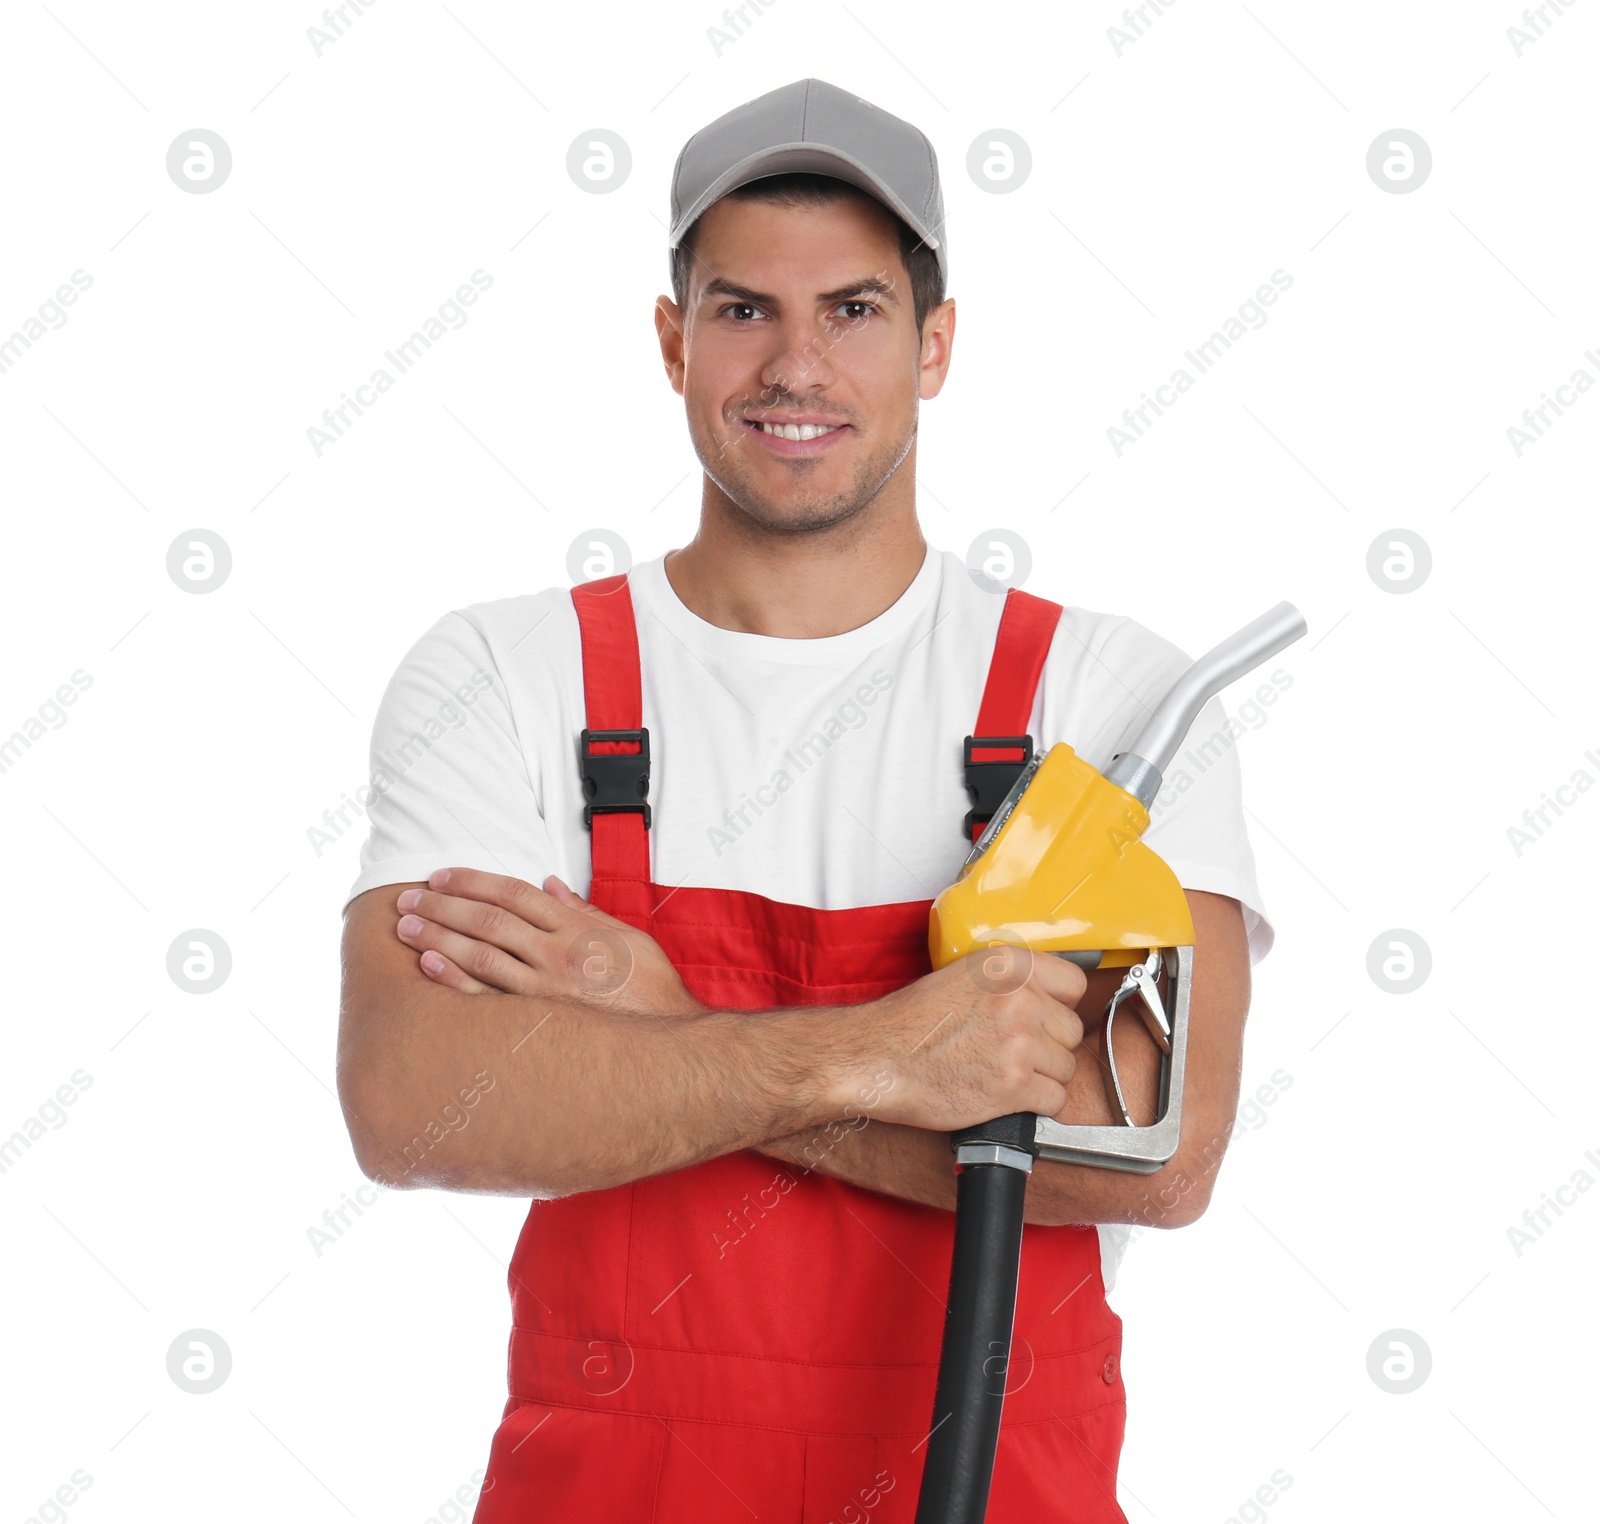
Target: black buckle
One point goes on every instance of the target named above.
(989, 782)
(614, 782)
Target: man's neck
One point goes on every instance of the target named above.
(796, 587)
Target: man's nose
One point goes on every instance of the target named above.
(802, 357)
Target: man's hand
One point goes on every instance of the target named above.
(478, 931)
(993, 1033)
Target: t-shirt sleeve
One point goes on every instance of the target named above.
(1197, 820)
(449, 784)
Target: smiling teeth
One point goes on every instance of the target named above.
(798, 431)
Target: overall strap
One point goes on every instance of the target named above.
(994, 755)
(614, 748)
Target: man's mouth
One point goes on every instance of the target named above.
(795, 430)
(796, 439)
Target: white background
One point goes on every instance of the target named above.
(1168, 181)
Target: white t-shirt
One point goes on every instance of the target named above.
(819, 772)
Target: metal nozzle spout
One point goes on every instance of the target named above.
(1139, 769)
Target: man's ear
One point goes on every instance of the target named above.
(938, 340)
(670, 331)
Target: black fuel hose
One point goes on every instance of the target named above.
(979, 1317)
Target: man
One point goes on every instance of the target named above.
(724, 1070)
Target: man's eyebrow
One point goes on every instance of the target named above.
(868, 285)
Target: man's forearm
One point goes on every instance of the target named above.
(510, 1094)
(917, 1165)
(909, 1162)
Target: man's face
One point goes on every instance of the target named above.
(800, 316)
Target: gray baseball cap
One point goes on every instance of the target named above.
(818, 128)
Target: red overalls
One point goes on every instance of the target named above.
(746, 1340)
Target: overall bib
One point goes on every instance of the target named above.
(745, 1339)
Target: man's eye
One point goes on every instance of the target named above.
(740, 307)
(865, 306)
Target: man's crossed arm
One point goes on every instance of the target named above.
(497, 1037)
(916, 1164)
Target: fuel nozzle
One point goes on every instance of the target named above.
(1061, 869)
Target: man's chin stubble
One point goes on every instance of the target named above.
(790, 519)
